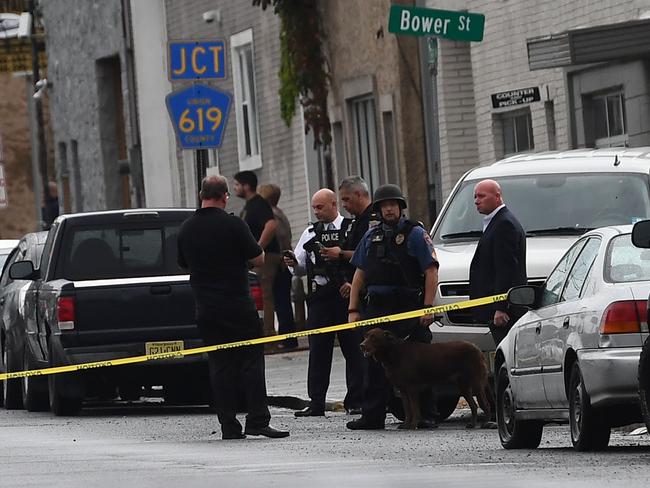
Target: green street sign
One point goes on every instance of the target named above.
(418, 21)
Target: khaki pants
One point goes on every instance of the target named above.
(266, 274)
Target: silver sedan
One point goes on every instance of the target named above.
(574, 355)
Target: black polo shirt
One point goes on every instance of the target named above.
(216, 246)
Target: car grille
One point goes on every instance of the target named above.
(461, 290)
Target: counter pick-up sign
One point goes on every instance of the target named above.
(520, 96)
(418, 21)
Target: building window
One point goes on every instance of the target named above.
(248, 139)
(517, 132)
(365, 139)
(609, 120)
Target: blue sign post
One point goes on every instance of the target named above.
(197, 60)
(199, 115)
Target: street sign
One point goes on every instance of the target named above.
(199, 114)
(197, 60)
(419, 21)
(3, 187)
(515, 97)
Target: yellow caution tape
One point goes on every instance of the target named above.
(261, 340)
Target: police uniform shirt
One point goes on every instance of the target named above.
(301, 254)
(419, 245)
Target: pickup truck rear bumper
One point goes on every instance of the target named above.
(62, 355)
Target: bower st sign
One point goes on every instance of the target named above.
(418, 21)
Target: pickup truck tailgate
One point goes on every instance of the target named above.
(134, 310)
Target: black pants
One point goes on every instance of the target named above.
(324, 310)
(238, 371)
(379, 392)
(283, 308)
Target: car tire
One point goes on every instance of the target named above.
(514, 433)
(644, 382)
(11, 392)
(33, 388)
(589, 431)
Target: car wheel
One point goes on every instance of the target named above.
(589, 431)
(644, 382)
(514, 433)
(446, 404)
(34, 388)
(11, 394)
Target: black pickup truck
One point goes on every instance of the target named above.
(108, 287)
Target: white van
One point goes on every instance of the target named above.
(557, 196)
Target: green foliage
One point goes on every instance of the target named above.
(302, 65)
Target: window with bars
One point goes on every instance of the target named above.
(243, 70)
(365, 139)
(608, 111)
(517, 132)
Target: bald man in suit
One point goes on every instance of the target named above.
(499, 261)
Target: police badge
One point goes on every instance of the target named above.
(399, 238)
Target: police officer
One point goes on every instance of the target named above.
(326, 303)
(397, 266)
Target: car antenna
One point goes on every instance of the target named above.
(616, 160)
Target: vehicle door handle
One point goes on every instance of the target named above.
(565, 324)
(161, 290)
(538, 329)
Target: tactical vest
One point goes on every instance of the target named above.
(328, 238)
(388, 260)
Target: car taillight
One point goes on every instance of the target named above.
(624, 317)
(258, 298)
(65, 312)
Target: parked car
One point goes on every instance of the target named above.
(13, 342)
(109, 287)
(557, 196)
(574, 355)
(6, 246)
(641, 238)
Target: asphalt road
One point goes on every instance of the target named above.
(150, 445)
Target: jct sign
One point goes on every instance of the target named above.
(199, 115)
(418, 21)
(196, 60)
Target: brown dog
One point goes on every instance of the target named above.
(412, 366)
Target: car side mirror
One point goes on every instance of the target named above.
(641, 234)
(23, 270)
(523, 296)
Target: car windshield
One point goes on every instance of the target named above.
(625, 262)
(553, 204)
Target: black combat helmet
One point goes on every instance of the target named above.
(388, 192)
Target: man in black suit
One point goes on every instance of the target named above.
(499, 261)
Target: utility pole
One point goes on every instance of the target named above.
(40, 131)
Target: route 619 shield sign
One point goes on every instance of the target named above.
(199, 114)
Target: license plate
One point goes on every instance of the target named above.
(163, 347)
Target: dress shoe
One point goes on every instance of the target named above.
(233, 435)
(267, 431)
(363, 423)
(310, 412)
(353, 411)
